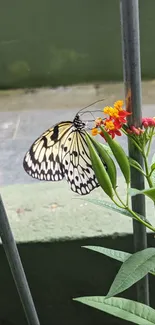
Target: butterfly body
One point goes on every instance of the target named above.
(62, 152)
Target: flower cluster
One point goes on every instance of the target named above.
(114, 122)
(134, 131)
(148, 122)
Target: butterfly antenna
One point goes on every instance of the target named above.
(91, 112)
(97, 101)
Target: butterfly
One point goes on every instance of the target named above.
(62, 152)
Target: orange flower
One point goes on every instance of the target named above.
(117, 112)
(94, 131)
(109, 124)
(112, 127)
(115, 120)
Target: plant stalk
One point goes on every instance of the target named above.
(132, 78)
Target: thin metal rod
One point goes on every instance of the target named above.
(129, 11)
(16, 267)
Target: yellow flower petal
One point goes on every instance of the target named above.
(111, 111)
(109, 125)
(118, 105)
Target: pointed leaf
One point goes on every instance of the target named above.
(148, 192)
(107, 148)
(153, 159)
(153, 177)
(113, 207)
(136, 165)
(153, 166)
(113, 253)
(110, 206)
(132, 270)
(129, 310)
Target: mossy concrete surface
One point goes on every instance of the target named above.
(51, 211)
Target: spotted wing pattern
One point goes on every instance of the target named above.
(60, 152)
(77, 164)
(44, 159)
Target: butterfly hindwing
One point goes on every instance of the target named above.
(77, 165)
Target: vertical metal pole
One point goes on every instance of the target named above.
(16, 267)
(129, 11)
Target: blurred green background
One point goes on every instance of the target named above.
(55, 42)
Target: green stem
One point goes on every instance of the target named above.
(149, 144)
(147, 171)
(118, 205)
(140, 220)
(123, 205)
(133, 140)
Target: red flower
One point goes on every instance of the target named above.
(115, 132)
(112, 126)
(122, 116)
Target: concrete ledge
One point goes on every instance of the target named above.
(70, 96)
(50, 211)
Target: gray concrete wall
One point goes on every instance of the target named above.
(55, 42)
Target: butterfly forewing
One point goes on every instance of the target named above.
(44, 159)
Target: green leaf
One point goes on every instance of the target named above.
(111, 168)
(153, 177)
(153, 159)
(99, 169)
(132, 270)
(153, 166)
(129, 310)
(113, 253)
(113, 207)
(148, 192)
(107, 148)
(136, 165)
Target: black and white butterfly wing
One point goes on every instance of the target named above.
(62, 151)
(44, 159)
(77, 164)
